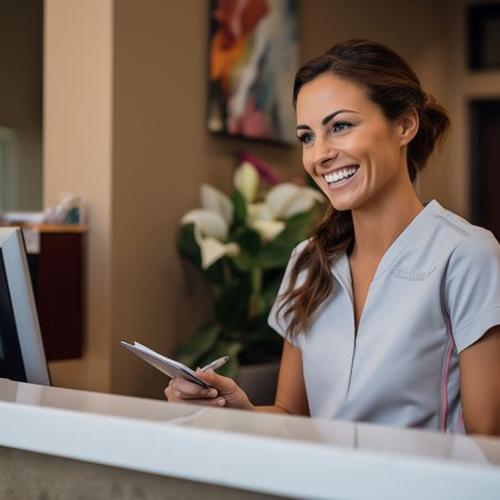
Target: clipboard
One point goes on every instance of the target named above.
(168, 366)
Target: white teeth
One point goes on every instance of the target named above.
(340, 174)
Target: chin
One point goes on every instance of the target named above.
(341, 207)
(342, 203)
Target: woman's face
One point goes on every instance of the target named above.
(350, 149)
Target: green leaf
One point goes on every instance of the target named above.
(250, 244)
(188, 247)
(231, 304)
(215, 273)
(196, 346)
(297, 229)
(270, 289)
(248, 239)
(277, 252)
(244, 262)
(240, 209)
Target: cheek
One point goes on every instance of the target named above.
(376, 146)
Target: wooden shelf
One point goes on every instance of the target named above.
(57, 272)
(58, 228)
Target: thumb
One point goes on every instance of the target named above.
(223, 384)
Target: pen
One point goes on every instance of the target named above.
(215, 364)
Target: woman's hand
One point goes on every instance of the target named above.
(224, 391)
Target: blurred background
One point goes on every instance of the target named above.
(108, 99)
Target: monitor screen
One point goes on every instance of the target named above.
(22, 357)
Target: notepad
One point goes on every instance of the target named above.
(168, 366)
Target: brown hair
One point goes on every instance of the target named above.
(392, 84)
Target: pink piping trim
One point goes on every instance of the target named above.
(444, 386)
(460, 425)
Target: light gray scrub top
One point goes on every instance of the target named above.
(436, 291)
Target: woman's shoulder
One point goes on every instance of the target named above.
(467, 237)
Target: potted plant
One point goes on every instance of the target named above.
(241, 245)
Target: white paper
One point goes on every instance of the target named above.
(168, 366)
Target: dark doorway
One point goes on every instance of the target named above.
(485, 164)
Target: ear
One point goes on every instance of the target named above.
(408, 126)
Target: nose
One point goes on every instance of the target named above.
(323, 153)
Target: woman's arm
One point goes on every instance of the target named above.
(290, 397)
(480, 384)
(291, 392)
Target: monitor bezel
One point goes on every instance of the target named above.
(23, 305)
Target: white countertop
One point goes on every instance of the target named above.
(279, 454)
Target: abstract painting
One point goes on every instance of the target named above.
(253, 57)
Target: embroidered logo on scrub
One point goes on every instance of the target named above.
(408, 274)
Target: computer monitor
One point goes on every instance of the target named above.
(22, 356)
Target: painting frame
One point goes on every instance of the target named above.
(263, 111)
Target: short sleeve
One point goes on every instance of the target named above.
(276, 318)
(472, 288)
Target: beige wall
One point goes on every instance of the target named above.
(162, 153)
(125, 103)
(20, 97)
(77, 157)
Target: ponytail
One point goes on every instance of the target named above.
(434, 123)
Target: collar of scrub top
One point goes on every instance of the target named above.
(342, 271)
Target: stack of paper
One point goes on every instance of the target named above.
(166, 365)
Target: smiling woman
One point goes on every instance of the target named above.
(391, 310)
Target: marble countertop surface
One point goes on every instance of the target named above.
(280, 454)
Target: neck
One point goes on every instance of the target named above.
(378, 224)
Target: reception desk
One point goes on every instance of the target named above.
(228, 453)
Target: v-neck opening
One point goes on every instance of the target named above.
(342, 270)
(404, 238)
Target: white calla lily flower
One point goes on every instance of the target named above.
(258, 211)
(212, 250)
(212, 222)
(282, 202)
(268, 229)
(208, 223)
(211, 227)
(216, 201)
(303, 201)
(246, 181)
(287, 199)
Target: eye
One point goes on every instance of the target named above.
(306, 138)
(341, 126)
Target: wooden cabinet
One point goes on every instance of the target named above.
(57, 266)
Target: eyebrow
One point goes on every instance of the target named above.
(327, 118)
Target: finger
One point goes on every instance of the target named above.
(205, 402)
(172, 394)
(189, 388)
(210, 394)
(185, 389)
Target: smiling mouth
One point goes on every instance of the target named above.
(341, 175)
